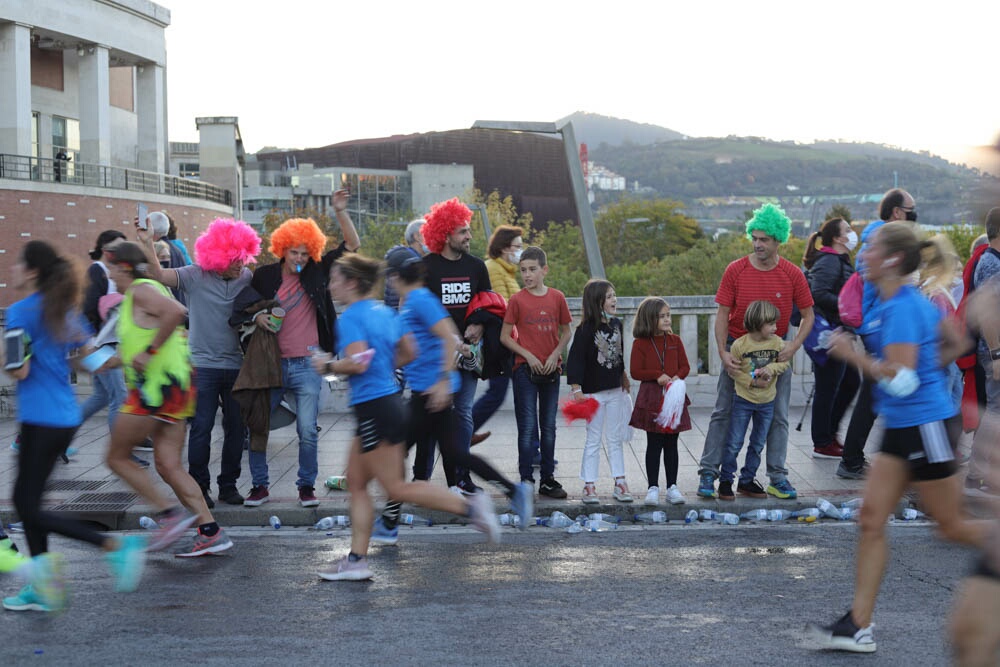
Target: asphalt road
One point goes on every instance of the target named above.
(667, 595)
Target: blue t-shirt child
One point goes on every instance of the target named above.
(418, 315)
(45, 397)
(909, 318)
(376, 326)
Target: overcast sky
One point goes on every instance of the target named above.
(303, 73)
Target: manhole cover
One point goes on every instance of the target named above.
(116, 501)
(74, 484)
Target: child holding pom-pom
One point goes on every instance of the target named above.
(658, 360)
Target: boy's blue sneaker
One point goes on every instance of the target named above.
(522, 502)
(706, 486)
(127, 562)
(383, 535)
(783, 490)
(26, 600)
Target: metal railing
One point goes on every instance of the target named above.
(49, 170)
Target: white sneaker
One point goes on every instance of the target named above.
(457, 491)
(652, 496)
(675, 496)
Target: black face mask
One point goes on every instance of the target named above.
(911, 216)
(165, 265)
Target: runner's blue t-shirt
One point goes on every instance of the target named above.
(418, 315)
(909, 318)
(376, 326)
(45, 397)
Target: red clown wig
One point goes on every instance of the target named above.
(445, 217)
(295, 232)
(224, 242)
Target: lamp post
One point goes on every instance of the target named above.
(571, 149)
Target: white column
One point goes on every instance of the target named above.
(150, 114)
(95, 107)
(15, 89)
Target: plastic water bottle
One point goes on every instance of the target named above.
(600, 526)
(727, 518)
(755, 515)
(414, 520)
(807, 512)
(829, 509)
(275, 522)
(582, 519)
(910, 514)
(558, 520)
(610, 518)
(509, 520)
(691, 516)
(574, 528)
(850, 514)
(852, 504)
(328, 522)
(651, 517)
(336, 483)
(779, 515)
(148, 523)
(707, 515)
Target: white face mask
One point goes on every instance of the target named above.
(515, 256)
(852, 240)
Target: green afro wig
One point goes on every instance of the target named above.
(771, 220)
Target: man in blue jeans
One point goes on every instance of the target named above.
(298, 281)
(209, 287)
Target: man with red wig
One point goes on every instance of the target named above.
(298, 281)
(209, 286)
(455, 276)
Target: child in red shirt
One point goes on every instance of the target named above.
(658, 358)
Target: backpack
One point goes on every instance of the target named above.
(849, 301)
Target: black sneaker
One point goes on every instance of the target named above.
(467, 487)
(844, 635)
(208, 498)
(726, 491)
(551, 488)
(230, 496)
(752, 489)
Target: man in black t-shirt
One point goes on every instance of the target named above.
(455, 276)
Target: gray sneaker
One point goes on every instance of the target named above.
(844, 472)
(483, 518)
(345, 570)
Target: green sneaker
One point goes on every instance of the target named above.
(127, 562)
(783, 490)
(26, 600)
(11, 559)
(48, 581)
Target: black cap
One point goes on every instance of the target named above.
(399, 258)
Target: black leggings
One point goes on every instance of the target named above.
(40, 448)
(654, 443)
(442, 426)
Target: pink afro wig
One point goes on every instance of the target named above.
(295, 232)
(224, 242)
(445, 217)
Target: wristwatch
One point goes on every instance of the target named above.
(995, 353)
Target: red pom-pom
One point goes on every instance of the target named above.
(585, 409)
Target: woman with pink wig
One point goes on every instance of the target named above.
(210, 286)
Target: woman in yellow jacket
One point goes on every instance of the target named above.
(504, 254)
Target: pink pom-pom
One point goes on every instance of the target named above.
(584, 409)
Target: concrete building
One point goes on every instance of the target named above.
(83, 128)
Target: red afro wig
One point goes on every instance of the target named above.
(224, 242)
(445, 217)
(295, 232)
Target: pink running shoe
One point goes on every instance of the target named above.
(172, 527)
(205, 545)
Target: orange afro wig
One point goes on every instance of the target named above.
(445, 217)
(295, 232)
(224, 242)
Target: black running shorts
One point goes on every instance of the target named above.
(382, 419)
(929, 449)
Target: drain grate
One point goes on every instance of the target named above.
(75, 484)
(116, 501)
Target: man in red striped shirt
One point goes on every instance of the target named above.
(761, 276)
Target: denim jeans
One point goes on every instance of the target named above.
(743, 411)
(299, 378)
(463, 410)
(488, 403)
(718, 426)
(109, 391)
(213, 384)
(777, 435)
(535, 407)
